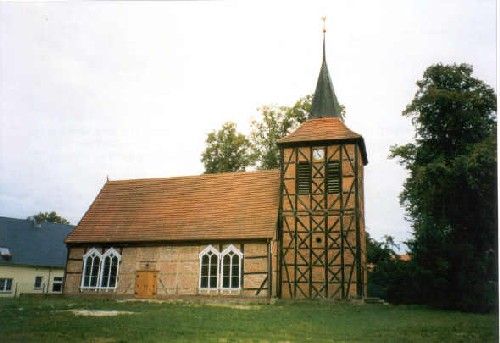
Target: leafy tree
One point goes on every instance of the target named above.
(389, 278)
(451, 192)
(226, 150)
(379, 251)
(275, 123)
(50, 217)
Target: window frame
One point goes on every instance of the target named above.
(300, 178)
(236, 252)
(333, 176)
(59, 282)
(6, 282)
(40, 285)
(214, 252)
(98, 269)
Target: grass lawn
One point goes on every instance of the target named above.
(51, 320)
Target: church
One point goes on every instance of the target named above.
(297, 232)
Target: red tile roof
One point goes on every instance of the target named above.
(242, 205)
(320, 129)
(324, 129)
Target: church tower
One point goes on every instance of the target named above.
(321, 230)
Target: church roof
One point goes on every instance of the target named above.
(324, 130)
(325, 103)
(242, 205)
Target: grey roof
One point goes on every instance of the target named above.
(325, 103)
(32, 244)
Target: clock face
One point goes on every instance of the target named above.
(318, 154)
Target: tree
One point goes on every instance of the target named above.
(226, 150)
(377, 252)
(275, 123)
(50, 217)
(389, 278)
(451, 192)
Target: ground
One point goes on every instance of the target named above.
(84, 320)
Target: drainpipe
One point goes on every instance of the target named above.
(48, 282)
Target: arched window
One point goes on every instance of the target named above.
(209, 268)
(100, 271)
(231, 268)
(110, 264)
(91, 266)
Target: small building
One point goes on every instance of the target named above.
(32, 257)
(296, 232)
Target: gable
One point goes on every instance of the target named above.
(242, 205)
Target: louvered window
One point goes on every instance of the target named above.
(303, 178)
(333, 177)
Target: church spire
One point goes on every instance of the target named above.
(325, 103)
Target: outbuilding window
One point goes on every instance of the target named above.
(38, 282)
(5, 285)
(57, 284)
(100, 271)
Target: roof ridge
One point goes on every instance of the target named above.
(210, 175)
(28, 220)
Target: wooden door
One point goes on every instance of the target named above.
(145, 284)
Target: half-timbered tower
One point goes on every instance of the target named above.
(321, 227)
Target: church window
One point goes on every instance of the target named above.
(91, 263)
(220, 271)
(110, 263)
(209, 268)
(333, 177)
(100, 271)
(231, 268)
(303, 176)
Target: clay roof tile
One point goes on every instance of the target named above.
(242, 205)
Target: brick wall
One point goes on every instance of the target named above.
(177, 269)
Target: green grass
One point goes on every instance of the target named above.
(48, 320)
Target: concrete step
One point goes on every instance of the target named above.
(373, 300)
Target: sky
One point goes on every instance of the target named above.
(90, 90)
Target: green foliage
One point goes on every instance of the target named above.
(451, 192)
(52, 320)
(379, 251)
(50, 217)
(226, 150)
(389, 278)
(275, 123)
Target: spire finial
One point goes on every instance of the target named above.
(325, 103)
(324, 34)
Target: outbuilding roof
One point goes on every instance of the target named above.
(241, 205)
(24, 242)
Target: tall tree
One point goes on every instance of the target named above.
(276, 122)
(226, 150)
(451, 191)
(50, 217)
